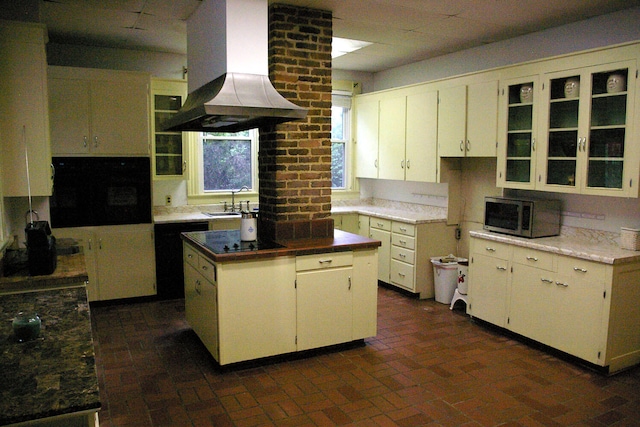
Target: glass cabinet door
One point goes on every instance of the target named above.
(167, 98)
(518, 145)
(607, 129)
(563, 133)
(587, 129)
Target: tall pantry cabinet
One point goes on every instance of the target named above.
(24, 112)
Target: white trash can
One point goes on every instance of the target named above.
(445, 277)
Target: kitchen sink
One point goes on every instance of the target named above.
(221, 214)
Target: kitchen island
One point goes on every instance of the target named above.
(51, 380)
(279, 298)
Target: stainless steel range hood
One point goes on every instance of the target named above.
(227, 54)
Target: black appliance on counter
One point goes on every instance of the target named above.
(169, 261)
(42, 257)
(91, 191)
(228, 241)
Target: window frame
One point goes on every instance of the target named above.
(345, 100)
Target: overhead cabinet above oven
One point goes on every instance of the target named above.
(98, 112)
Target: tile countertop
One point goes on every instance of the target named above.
(55, 374)
(573, 246)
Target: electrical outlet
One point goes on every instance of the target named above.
(167, 200)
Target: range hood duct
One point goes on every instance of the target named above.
(229, 90)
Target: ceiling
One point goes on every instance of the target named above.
(401, 31)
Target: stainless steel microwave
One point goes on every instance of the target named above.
(522, 217)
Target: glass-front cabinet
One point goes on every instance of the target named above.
(585, 127)
(167, 96)
(517, 143)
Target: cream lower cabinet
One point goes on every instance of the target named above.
(404, 259)
(120, 259)
(346, 222)
(245, 310)
(580, 307)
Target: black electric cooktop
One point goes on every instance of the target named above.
(228, 241)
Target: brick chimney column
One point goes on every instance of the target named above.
(295, 158)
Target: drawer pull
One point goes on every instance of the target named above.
(401, 275)
(204, 267)
(562, 284)
(380, 224)
(325, 261)
(546, 280)
(402, 255)
(532, 258)
(501, 268)
(189, 256)
(403, 228)
(402, 242)
(581, 270)
(490, 249)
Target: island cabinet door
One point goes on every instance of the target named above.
(324, 307)
(256, 308)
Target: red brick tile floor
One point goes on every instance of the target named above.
(428, 366)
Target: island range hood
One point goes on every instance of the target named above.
(227, 56)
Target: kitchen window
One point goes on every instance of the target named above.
(340, 133)
(224, 162)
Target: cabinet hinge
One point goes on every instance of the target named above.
(598, 355)
(604, 295)
(542, 86)
(296, 340)
(636, 74)
(295, 284)
(508, 320)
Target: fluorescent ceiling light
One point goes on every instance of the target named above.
(341, 47)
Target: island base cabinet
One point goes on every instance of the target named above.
(256, 308)
(324, 308)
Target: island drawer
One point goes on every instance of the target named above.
(191, 256)
(403, 228)
(207, 268)
(381, 224)
(325, 260)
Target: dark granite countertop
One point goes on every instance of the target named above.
(341, 241)
(54, 374)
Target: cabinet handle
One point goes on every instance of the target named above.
(468, 147)
(461, 145)
(402, 275)
(197, 287)
(380, 224)
(184, 166)
(90, 244)
(490, 249)
(99, 243)
(402, 242)
(402, 164)
(562, 284)
(408, 164)
(349, 282)
(532, 258)
(205, 268)
(581, 270)
(403, 229)
(498, 267)
(375, 163)
(84, 141)
(189, 256)
(546, 280)
(533, 144)
(95, 141)
(402, 255)
(325, 261)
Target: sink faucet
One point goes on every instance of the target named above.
(233, 197)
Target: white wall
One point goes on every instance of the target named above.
(614, 28)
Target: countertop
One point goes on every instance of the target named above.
(341, 241)
(572, 246)
(55, 374)
(70, 270)
(413, 214)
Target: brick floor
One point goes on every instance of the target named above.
(428, 366)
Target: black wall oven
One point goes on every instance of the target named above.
(90, 191)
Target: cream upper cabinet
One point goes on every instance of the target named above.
(24, 112)
(422, 137)
(517, 132)
(367, 137)
(586, 131)
(167, 96)
(99, 112)
(391, 142)
(467, 120)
